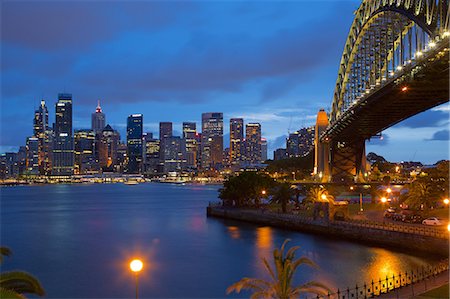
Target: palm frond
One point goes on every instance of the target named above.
(10, 294)
(247, 283)
(4, 251)
(21, 282)
(269, 269)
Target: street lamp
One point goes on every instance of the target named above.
(136, 266)
(383, 199)
(323, 196)
(263, 192)
(446, 201)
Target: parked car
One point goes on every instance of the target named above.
(389, 212)
(433, 221)
(397, 216)
(415, 218)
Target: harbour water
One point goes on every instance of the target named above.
(78, 240)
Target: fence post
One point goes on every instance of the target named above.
(412, 283)
(373, 291)
(339, 293)
(365, 291)
(356, 289)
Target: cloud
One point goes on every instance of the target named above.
(440, 135)
(436, 117)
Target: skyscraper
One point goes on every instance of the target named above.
(300, 143)
(253, 143)
(152, 163)
(236, 140)
(84, 152)
(98, 119)
(63, 154)
(165, 130)
(107, 145)
(189, 133)
(134, 143)
(40, 131)
(32, 160)
(212, 140)
(174, 154)
(263, 149)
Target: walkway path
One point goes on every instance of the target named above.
(412, 291)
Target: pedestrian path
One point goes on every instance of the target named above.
(418, 288)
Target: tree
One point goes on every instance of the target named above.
(14, 284)
(317, 194)
(281, 194)
(245, 189)
(419, 195)
(282, 277)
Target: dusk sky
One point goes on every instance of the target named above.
(266, 61)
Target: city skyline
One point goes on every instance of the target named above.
(269, 66)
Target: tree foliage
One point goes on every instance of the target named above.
(302, 166)
(14, 284)
(245, 189)
(282, 278)
(282, 193)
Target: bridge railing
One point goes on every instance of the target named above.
(394, 283)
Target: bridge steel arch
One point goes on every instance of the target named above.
(390, 42)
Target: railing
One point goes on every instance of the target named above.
(393, 283)
(403, 228)
(440, 233)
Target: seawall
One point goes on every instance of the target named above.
(408, 240)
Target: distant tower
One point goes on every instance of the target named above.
(63, 149)
(98, 119)
(40, 130)
(134, 142)
(189, 132)
(236, 140)
(321, 149)
(253, 143)
(212, 140)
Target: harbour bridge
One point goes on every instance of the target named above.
(395, 64)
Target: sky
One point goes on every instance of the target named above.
(272, 62)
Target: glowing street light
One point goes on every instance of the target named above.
(389, 190)
(136, 266)
(405, 88)
(383, 199)
(263, 192)
(323, 196)
(446, 201)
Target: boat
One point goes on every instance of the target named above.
(131, 182)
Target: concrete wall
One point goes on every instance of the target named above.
(339, 229)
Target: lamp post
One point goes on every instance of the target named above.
(136, 266)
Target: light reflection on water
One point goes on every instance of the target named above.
(76, 238)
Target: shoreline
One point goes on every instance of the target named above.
(368, 235)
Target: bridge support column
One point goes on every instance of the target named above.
(348, 161)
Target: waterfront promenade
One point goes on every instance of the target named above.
(428, 240)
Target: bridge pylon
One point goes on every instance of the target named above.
(348, 161)
(321, 149)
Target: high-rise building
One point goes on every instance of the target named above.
(98, 119)
(189, 133)
(279, 154)
(122, 158)
(63, 154)
(253, 143)
(107, 144)
(212, 140)
(236, 141)
(32, 160)
(300, 143)
(40, 131)
(165, 130)
(263, 149)
(134, 143)
(174, 154)
(152, 163)
(85, 161)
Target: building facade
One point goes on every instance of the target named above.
(98, 119)
(40, 131)
(134, 143)
(253, 143)
(212, 140)
(189, 134)
(108, 145)
(84, 152)
(152, 163)
(236, 141)
(63, 149)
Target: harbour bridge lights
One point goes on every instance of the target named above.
(431, 45)
(404, 88)
(419, 53)
(399, 68)
(445, 34)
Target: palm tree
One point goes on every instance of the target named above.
(317, 194)
(282, 194)
(282, 276)
(14, 284)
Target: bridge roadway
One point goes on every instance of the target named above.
(423, 85)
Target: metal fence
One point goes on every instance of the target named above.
(390, 284)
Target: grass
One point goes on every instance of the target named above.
(440, 292)
(353, 208)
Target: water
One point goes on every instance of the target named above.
(79, 239)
